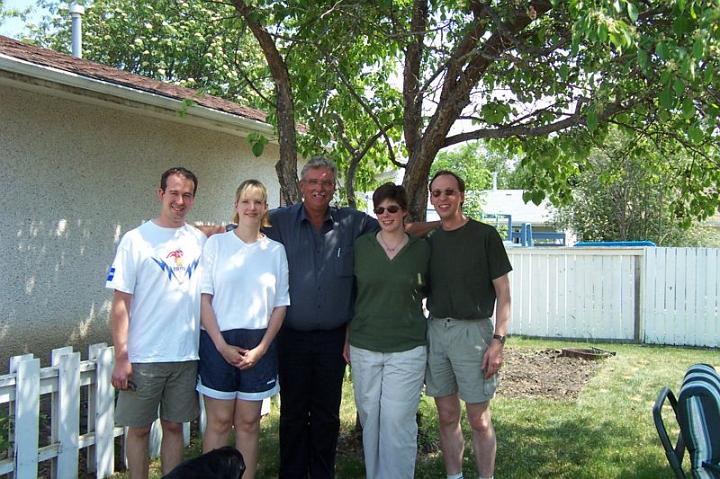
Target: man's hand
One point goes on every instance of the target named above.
(121, 374)
(210, 229)
(492, 359)
(346, 351)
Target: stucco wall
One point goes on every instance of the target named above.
(75, 177)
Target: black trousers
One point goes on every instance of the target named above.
(311, 372)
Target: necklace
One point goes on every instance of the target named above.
(387, 247)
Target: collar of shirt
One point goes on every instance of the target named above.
(329, 214)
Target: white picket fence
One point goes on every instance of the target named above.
(20, 396)
(21, 393)
(649, 295)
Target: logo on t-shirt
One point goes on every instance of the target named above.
(177, 269)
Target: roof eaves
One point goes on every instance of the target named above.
(173, 106)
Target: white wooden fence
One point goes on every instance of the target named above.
(681, 299)
(20, 397)
(650, 295)
(21, 393)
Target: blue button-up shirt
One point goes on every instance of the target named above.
(322, 286)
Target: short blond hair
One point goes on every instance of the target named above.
(244, 188)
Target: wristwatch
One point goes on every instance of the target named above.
(500, 338)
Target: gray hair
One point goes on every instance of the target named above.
(319, 162)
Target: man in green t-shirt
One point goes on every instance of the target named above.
(468, 279)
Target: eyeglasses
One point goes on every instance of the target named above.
(390, 209)
(323, 183)
(447, 191)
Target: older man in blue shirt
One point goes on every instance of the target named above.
(319, 241)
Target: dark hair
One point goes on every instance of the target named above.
(460, 181)
(178, 170)
(390, 191)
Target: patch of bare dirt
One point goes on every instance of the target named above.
(530, 373)
(526, 373)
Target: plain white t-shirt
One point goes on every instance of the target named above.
(246, 280)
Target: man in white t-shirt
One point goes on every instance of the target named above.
(156, 322)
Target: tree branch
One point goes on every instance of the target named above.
(412, 97)
(527, 130)
(366, 108)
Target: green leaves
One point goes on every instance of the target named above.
(630, 190)
(695, 133)
(667, 98)
(688, 109)
(495, 112)
(591, 118)
(548, 90)
(190, 43)
(632, 12)
(257, 143)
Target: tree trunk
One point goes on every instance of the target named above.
(415, 183)
(286, 167)
(465, 68)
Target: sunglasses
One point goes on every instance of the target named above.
(390, 209)
(447, 191)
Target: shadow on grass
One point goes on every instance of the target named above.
(578, 447)
(532, 443)
(349, 462)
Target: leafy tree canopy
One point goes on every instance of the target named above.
(476, 163)
(627, 193)
(544, 79)
(5, 13)
(335, 86)
(192, 43)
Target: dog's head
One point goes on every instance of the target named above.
(223, 463)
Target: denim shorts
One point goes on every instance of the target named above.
(221, 380)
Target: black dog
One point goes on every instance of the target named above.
(223, 463)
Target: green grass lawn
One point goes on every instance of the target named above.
(608, 432)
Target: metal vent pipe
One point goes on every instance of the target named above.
(76, 12)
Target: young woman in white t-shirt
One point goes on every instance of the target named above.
(244, 298)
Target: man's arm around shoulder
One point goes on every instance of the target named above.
(421, 228)
(210, 229)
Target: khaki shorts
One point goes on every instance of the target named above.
(455, 352)
(168, 385)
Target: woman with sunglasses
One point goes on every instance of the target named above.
(243, 302)
(386, 338)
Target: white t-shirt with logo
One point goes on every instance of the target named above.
(160, 267)
(246, 280)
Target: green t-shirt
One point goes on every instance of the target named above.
(463, 263)
(388, 309)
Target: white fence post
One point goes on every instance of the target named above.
(640, 286)
(14, 361)
(27, 414)
(66, 417)
(93, 353)
(104, 414)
